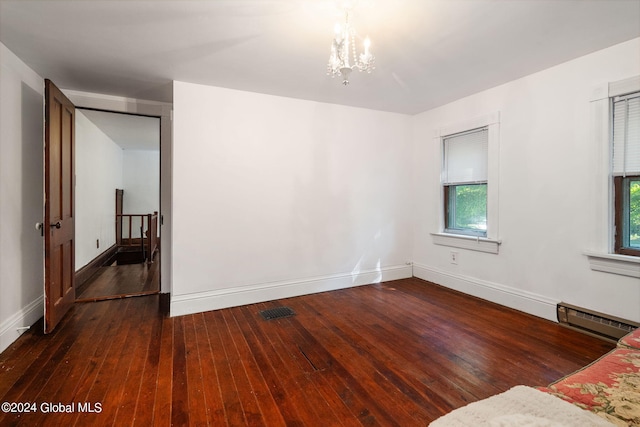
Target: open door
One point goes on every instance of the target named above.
(59, 222)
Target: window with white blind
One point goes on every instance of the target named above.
(464, 180)
(625, 168)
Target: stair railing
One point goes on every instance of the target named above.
(147, 240)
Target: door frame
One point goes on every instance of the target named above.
(82, 275)
(163, 110)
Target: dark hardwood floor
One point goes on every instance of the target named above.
(398, 353)
(118, 281)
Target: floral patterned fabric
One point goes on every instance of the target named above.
(631, 340)
(609, 387)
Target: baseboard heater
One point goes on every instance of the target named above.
(594, 323)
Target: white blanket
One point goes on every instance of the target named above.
(521, 406)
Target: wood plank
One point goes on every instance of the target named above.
(114, 387)
(139, 344)
(143, 415)
(413, 347)
(309, 371)
(233, 413)
(333, 388)
(262, 350)
(180, 390)
(119, 281)
(64, 382)
(357, 363)
(397, 353)
(211, 382)
(259, 387)
(293, 370)
(164, 376)
(195, 379)
(246, 392)
(101, 351)
(16, 358)
(110, 373)
(36, 375)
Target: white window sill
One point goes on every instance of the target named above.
(624, 265)
(481, 244)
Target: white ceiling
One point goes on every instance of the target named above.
(429, 52)
(130, 132)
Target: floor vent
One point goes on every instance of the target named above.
(277, 313)
(594, 323)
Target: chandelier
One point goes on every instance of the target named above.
(343, 58)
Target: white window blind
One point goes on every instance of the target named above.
(626, 135)
(465, 157)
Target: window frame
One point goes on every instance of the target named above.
(490, 243)
(600, 251)
(448, 186)
(620, 178)
(621, 215)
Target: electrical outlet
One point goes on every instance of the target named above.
(453, 257)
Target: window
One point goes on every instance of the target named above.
(470, 160)
(626, 173)
(465, 182)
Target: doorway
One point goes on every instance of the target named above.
(117, 153)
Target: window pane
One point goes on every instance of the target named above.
(634, 214)
(467, 210)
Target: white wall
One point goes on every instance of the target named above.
(550, 160)
(141, 184)
(21, 195)
(99, 171)
(276, 197)
(141, 181)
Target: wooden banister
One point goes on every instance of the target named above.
(152, 235)
(148, 238)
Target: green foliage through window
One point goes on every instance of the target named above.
(467, 208)
(634, 214)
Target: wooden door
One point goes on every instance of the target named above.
(59, 222)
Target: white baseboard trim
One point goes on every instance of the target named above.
(16, 325)
(251, 294)
(518, 299)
